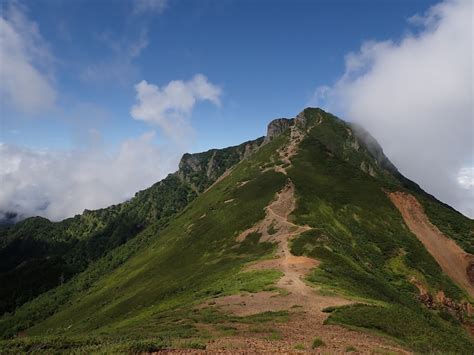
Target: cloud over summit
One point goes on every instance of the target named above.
(416, 97)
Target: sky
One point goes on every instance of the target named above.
(99, 99)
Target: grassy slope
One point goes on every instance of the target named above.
(366, 250)
(212, 163)
(193, 258)
(37, 254)
(42, 254)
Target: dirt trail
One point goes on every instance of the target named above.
(454, 261)
(303, 302)
(290, 149)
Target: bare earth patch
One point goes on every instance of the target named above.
(304, 304)
(454, 261)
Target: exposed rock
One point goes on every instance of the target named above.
(459, 310)
(301, 120)
(277, 127)
(201, 170)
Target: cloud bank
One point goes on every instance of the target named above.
(416, 97)
(170, 107)
(59, 184)
(25, 82)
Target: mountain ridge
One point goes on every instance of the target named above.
(356, 235)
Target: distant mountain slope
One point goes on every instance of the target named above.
(36, 254)
(224, 271)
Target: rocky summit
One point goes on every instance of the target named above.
(306, 240)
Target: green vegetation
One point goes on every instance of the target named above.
(317, 343)
(159, 277)
(176, 337)
(40, 254)
(143, 275)
(422, 331)
(359, 237)
(452, 223)
(274, 336)
(81, 345)
(37, 254)
(271, 229)
(299, 346)
(202, 169)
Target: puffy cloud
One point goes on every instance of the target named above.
(169, 107)
(59, 184)
(24, 61)
(416, 97)
(149, 6)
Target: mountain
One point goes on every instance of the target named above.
(306, 238)
(37, 254)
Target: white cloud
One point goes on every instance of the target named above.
(149, 6)
(466, 178)
(25, 83)
(58, 184)
(416, 97)
(169, 107)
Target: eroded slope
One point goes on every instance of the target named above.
(454, 261)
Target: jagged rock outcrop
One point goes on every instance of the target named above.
(277, 127)
(200, 170)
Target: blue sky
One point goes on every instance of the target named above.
(99, 98)
(267, 56)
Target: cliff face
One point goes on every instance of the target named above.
(200, 170)
(278, 126)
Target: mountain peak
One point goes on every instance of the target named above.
(277, 127)
(280, 125)
(318, 201)
(347, 141)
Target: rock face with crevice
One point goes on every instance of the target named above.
(277, 127)
(201, 170)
